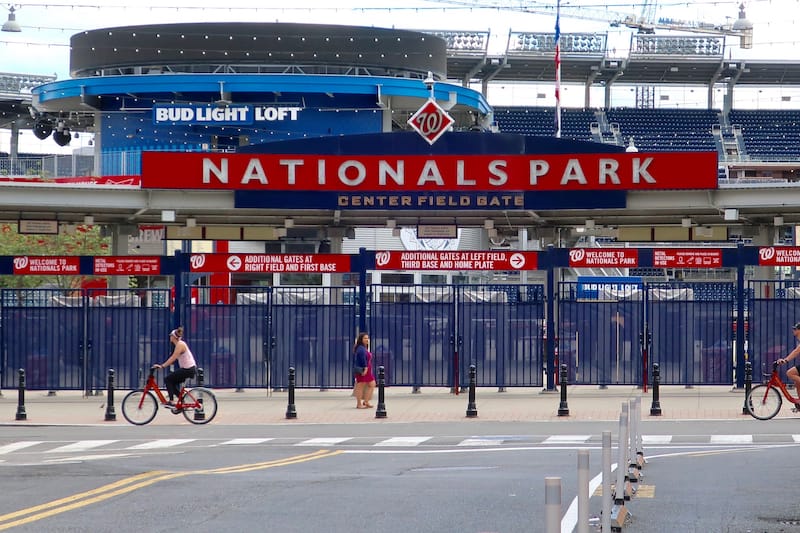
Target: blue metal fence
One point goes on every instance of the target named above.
(424, 335)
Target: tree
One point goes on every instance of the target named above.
(85, 240)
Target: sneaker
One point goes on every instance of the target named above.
(169, 405)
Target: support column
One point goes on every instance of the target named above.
(119, 246)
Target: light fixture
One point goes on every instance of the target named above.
(167, 215)
(492, 233)
(488, 224)
(395, 232)
(191, 222)
(288, 223)
(631, 147)
(391, 223)
(11, 24)
(280, 232)
(686, 222)
(589, 223)
(88, 220)
(731, 214)
(777, 221)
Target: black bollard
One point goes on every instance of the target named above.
(21, 414)
(380, 411)
(472, 409)
(563, 408)
(655, 407)
(291, 410)
(200, 414)
(748, 385)
(111, 414)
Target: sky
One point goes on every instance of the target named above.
(43, 45)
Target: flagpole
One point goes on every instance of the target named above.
(558, 68)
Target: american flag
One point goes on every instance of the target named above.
(558, 69)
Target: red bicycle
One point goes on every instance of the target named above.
(765, 400)
(198, 405)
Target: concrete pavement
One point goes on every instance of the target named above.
(257, 406)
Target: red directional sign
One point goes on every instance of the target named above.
(430, 121)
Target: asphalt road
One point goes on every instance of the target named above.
(703, 476)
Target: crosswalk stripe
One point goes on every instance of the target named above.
(731, 439)
(481, 441)
(796, 438)
(323, 441)
(566, 439)
(656, 439)
(14, 446)
(246, 441)
(81, 445)
(403, 441)
(161, 443)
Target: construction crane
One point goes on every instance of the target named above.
(644, 23)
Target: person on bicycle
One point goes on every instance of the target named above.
(794, 372)
(186, 363)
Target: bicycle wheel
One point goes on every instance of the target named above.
(764, 402)
(203, 405)
(139, 407)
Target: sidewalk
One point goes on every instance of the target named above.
(256, 406)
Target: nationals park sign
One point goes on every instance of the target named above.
(432, 173)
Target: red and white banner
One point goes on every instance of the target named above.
(127, 266)
(254, 263)
(438, 260)
(407, 173)
(779, 256)
(687, 257)
(41, 265)
(604, 257)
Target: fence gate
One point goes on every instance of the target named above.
(253, 342)
(68, 339)
(422, 333)
(772, 311)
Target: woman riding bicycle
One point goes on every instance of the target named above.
(793, 373)
(186, 363)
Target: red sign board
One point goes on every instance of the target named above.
(603, 257)
(687, 257)
(430, 121)
(266, 263)
(438, 260)
(127, 266)
(779, 256)
(43, 265)
(435, 173)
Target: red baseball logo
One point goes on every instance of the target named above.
(766, 253)
(20, 262)
(382, 258)
(576, 256)
(197, 261)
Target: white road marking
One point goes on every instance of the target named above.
(656, 439)
(323, 441)
(81, 445)
(246, 441)
(14, 446)
(403, 441)
(161, 443)
(566, 439)
(481, 441)
(731, 439)
(87, 458)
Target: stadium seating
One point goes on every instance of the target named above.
(766, 135)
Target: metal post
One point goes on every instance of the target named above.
(111, 414)
(633, 470)
(583, 491)
(563, 408)
(605, 518)
(748, 385)
(380, 411)
(655, 406)
(291, 410)
(619, 512)
(472, 409)
(200, 414)
(21, 414)
(552, 505)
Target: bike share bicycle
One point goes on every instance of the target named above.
(139, 407)
(764, 401)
